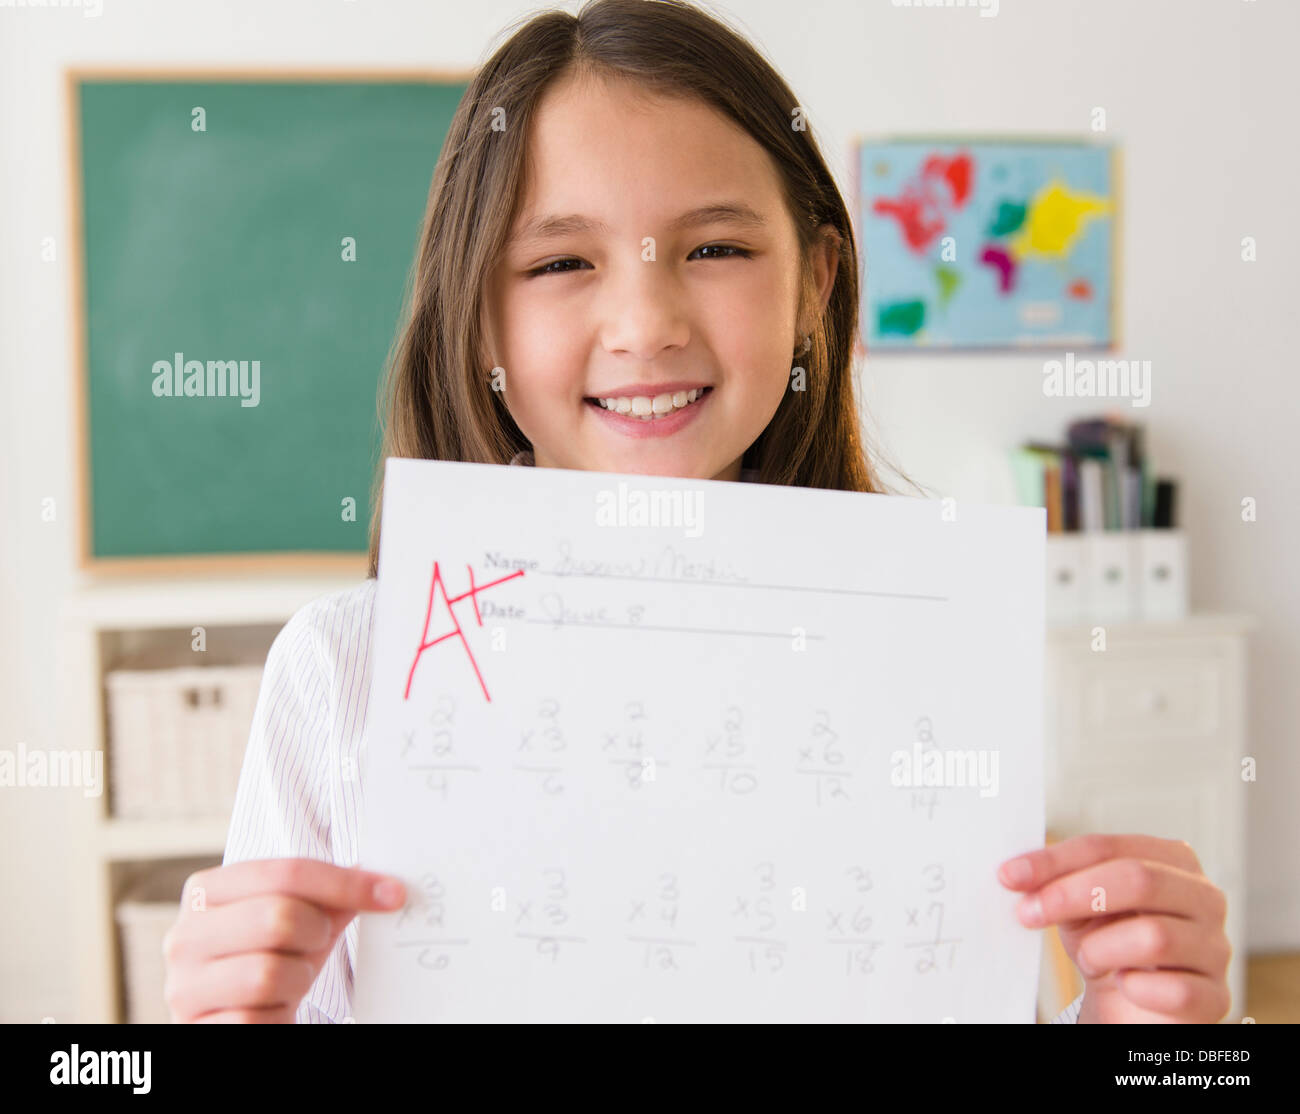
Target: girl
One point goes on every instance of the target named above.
(630, 238)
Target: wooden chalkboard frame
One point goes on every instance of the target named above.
(200, 563)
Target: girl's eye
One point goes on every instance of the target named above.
(557, 266)
(733, 252)
(546, 268)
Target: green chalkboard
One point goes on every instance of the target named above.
(220, 236)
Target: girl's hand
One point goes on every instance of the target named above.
(252, 936)
(1138, 918)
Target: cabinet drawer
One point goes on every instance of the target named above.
(1123, 697)
(1206, 812)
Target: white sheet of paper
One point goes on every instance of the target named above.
(687, 771)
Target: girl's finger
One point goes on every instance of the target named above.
(321, 883)
(272, 1015)
(1124, 885)
(1152, 940)
(1182, 994)
(270, 923)
(254, 979)
(1036, 868)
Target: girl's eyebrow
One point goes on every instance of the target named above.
(730, 212)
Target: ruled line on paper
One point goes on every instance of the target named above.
(675, 630)
(550, 936)
(740, 584)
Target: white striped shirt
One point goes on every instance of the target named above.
(299, 795)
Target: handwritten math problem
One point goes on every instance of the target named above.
(633, 775)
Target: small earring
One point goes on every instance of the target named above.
(807, 344)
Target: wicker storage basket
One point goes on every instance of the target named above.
(177, 739)
(148, 908)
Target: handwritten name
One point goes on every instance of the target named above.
(669, 563)
(678, 566)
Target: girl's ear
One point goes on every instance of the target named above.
(825, 261)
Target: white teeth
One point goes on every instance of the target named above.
(648, 408)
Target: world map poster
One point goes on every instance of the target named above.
(986, 244)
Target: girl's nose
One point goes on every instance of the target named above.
(643, 310)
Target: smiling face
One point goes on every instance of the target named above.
(625, 355)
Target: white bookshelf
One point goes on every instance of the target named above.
(101, 621)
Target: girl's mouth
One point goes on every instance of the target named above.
(651, 415)
(650, 408)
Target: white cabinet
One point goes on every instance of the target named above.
(1146, 731)
(104, 622)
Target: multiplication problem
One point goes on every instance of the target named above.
(726, 753)
(927, 799)
(849, 923)
(652, 924)
(429, 750)
(540, 749)
(420, 925)
(925, 919)
(822, 759)
(541, 917)
(754, 914)
(627, 747)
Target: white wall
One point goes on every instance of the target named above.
(1194, 89)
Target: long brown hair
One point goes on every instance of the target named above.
(440, 401)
